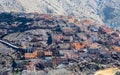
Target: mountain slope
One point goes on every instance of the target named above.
(106, 11)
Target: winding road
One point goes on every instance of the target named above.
(9, 44)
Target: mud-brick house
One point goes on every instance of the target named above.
(78, 23)
(78, 46)
(93, 28)
(29, 50)
(116, 48)
(57, 38)
(3, 31)
(24, 45)
(82, 36)
(71, 25)
(94, 45)
(118, 42)
(64, 46)
(61, 17)
(40, 51)
(35, 65)
(106, 30)
(93, 51)
(67, 31)
(71, 19)
(66, 53)
(94, 37)
(52, 25)
(58, 60)
(76, 29)
(46, 16)
(67, 39)
(83, 28)
(31, 66)
(37, 44)
(15, 24)
(48, 55)
(105, 55)
(87, 21)
(33, 55)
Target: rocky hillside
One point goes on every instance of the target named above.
(106, 11)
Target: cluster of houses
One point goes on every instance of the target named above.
(62, 40)
(73, 39)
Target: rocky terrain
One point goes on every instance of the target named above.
(44, 43)
(104, 11)
(59, 37)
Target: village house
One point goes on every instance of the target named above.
(81, 36)
(37, 44)
(3, 31)
(46, 16)
(58, 60)
(83, 28)
(29, 50)
(62, 24)
(34, 40)
(31, 66)
(76, 29)
(104, 50)
(116, 48)
(71, 19)
(40, 51)
(48, 55)
(24, 45)
(67, 31)
(94, 45)
(35, 65)
(82, 51)
(67, 39)
(106, 30)
(78, 46)
(93, 28)
(115, 42)
(105, 55)
(15, 24)
(118, 43)
(94, 37)
(87, 21)
(39, 38)
(31, 55)
(72, 25)
(42, 24)
(64, 46)
(115, 34)
(66, 53)
(57, 38)
(78, 23)
(93, 51)
(52, 25)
